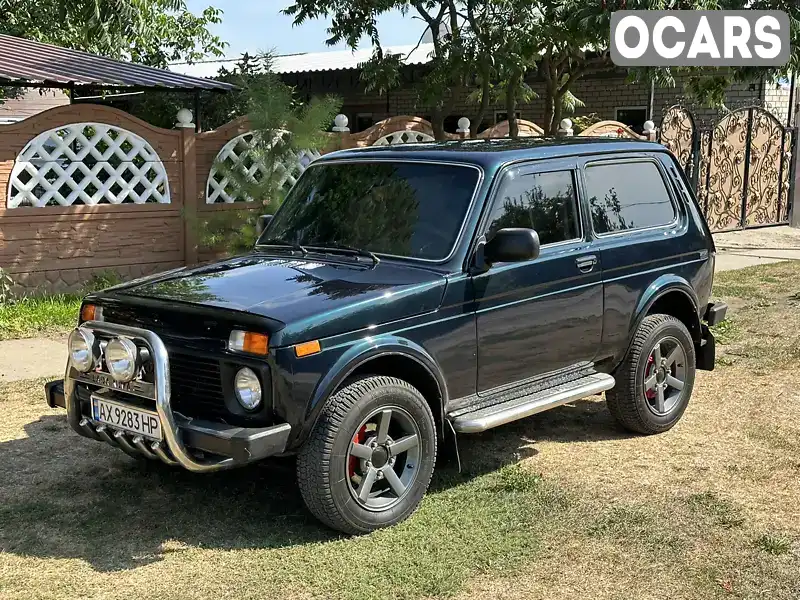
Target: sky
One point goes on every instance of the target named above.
(257, 25)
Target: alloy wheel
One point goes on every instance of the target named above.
(665, 376)
(383, 458)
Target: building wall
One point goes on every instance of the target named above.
(603, 95)
(33, 101)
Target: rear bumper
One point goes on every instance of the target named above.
(715, 313)
(239, 444)
(706, 350)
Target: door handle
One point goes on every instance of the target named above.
(586, 263)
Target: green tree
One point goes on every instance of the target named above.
(451, 63)
(495, 46)
(216, 108)
(705, 85)
(281, 128)
(153, 32)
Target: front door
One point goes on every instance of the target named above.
(541, 315)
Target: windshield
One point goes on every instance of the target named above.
(403, 209)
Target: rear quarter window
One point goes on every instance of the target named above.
(627, 195)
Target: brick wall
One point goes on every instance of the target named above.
(602, 95)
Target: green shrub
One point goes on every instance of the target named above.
(7, 295)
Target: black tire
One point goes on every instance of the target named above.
(628, 400)
(324, 462)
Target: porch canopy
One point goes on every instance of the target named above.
(25, 63)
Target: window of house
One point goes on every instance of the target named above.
(501, 115)
(628, 195)
(364, 121)
(633, 116)
(545, 202)
(451, 123)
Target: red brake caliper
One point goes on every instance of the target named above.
(651, 367)
(358, 438)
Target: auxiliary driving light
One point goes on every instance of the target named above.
(122, 359)
(248, 388)
(81, 346)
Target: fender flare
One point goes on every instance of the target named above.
(361, 353)
(658, 289)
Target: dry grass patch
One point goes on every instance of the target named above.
(563, 505)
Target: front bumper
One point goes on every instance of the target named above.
(186, 441)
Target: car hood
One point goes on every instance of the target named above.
(311, 298)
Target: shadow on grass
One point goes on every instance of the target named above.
(63, 496)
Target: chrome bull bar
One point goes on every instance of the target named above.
(175, 452)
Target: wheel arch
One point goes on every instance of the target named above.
(390, 356)
(670, 295)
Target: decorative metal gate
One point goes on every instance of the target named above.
(740, 167)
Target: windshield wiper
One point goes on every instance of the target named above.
(284, 243)
(349, 250)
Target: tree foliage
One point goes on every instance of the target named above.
(281, 128)
(495, 47)
(152, 32)
(216, 108)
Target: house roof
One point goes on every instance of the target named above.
(26, 62)
(333, 60)
(347, 59)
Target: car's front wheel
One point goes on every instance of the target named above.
(370, 457)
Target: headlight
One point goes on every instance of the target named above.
(248, 388)
(81, 349)
(122, 359)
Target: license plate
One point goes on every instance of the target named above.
(121, 416)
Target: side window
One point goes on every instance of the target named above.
(628, 195)
(545, 202)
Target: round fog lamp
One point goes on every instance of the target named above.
(121, 355)
(248, 388)
(81, 349)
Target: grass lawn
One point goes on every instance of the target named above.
(562, 505)
(39, 315)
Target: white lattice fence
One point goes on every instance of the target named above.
(87, 163)
(406, 136)
(239, 153)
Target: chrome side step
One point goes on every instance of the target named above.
(527, 405)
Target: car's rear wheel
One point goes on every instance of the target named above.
(655, 381)
(370, 457)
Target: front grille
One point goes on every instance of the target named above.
(201, 373)
(196, 386)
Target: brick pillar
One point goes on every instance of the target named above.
(189, 189)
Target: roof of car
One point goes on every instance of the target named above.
(491, 152)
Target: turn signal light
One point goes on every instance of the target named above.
(248, 341)
(307, 348)
(91, 312)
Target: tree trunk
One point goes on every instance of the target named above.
(511, 109)
(558, 111)
(484, 105)
(437, 123)
(549, 110)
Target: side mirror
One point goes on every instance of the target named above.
(262, 223)
(512, 245)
